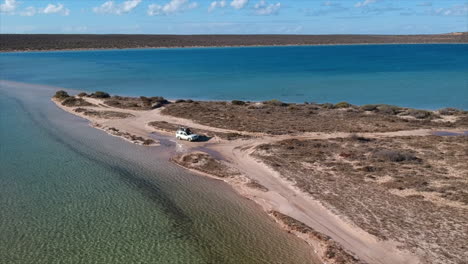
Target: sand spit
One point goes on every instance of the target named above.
(334, 237)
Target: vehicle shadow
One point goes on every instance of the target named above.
(203, 138)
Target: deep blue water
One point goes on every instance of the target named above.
(421, 76)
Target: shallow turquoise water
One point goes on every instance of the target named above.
(421, 76)
(72, 194)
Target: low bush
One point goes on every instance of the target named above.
(394, 156)
(327, 106)
(342, 105)
(159, 99)
(359, 138)
(113, 103)
(449, 111)
(72, 101)
(388, 109)
(189, 101)
(146, 101)
(180, 101)
(82, 94)
(61, 95)
(100, 94)
(237, 102)
(419, 114)
(369, 107)
(275, 102)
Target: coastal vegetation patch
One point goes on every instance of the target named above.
(279, 118)
(134, 103)
(103, 114)
(407, 189)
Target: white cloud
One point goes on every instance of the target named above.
(171, 7)
(239, 4)
(55, 9)
(217, 4)
(28, 11)
(9, 6)
(365, 3)
(110, 7)
(263, 8)
(459, 10)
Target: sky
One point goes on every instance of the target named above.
(234, 16)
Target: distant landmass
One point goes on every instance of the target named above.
(29, 42)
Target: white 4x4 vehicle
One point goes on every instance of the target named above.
(186, 134)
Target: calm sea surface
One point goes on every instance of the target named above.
(421, 76)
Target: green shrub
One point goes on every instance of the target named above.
(275, 103)
(180, 101)
(342, 105)
(237, 102)
(100, 94)
(114, 103)
(61, 95)
(449, 111)
(189, 101)
(327, 106)
(82, 94)
(159, 99)
(369, 107)
(394, 156)
(388, 109)
(419, 114)
(145, 100)
(72, 101)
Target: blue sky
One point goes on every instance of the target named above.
(234, 16)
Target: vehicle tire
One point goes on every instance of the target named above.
(178, 138)
(190, 139)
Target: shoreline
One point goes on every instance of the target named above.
(223, 46)
(282, 196)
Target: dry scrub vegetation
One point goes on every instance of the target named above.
(410, 189)
(277, 118)
(103, 114)
(134, 103)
